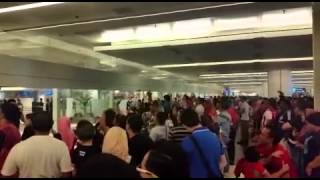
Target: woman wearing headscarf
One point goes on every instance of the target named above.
(116, 143)
(67, 135)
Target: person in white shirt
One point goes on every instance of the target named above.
(40, 156)
(244, 121)
(200, 108)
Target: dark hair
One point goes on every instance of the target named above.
(274, 132)
(208, 122)
(12, 101)
(162, 117)
(120, 121)
(225, 103)
(42, 122)
(167, 159)
(12, 113)
(85, 130)
(189, 118)
(251, 154)
(110, 116)
(135, 123)
(106, 166)
(167, 97)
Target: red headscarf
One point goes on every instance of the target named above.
(67, 135)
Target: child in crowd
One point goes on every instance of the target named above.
(251, 166)
(85, 148)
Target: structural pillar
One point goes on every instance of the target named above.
(316, 54)
(55, 101)
(279, 80)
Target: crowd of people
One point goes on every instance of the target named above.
(184, 136)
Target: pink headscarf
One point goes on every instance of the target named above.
(67, 135)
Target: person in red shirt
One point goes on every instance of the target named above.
(251, 167)
(9, 129)
(273, 154)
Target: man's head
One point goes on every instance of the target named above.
(284, 104)
(13, 101)
(243, 98)
(190, 118)
(313, 122)
(42, 123)
(134, 124)
(300, 107)
(10, 113)
(167, 97)
(107, 119)
(161, 118)
(85, 131)
(270, 135)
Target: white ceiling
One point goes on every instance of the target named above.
(67, 34)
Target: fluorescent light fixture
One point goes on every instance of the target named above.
(192, 27)
(302, 78)
(236, 23)
(234, 74)
(118, 35)
(13, 88)
(230, 77)
(236, 80)
(234, 62)
(299, 16)
(27, 6)
(116, 91)
(247, 83)
(302, 82)
(144, 71)
(302, 72)
(153, 32)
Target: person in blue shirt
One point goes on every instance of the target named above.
(203, 148)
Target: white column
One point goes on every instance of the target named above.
(55, 108)
(279, 80)
(316, 54)
(264, 89)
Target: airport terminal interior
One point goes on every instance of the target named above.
(160, 89)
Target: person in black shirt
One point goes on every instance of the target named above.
(28, 129)
(139, 144)
(85, 149)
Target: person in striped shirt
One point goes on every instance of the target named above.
(179, 132)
